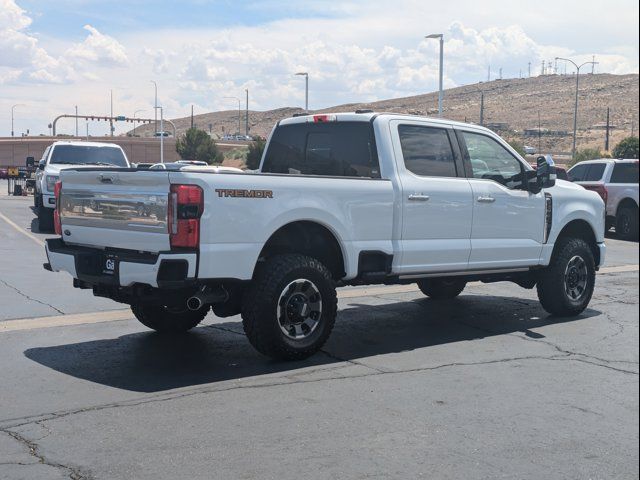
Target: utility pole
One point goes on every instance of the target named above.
(481, 108)
(76, 120)
(111, 119)
(246, 116)
(489, 74)
(606, 138)
(306, 89)
(593, 65)
(529, 69)
(155, 106)
(500, 73)
(191, 116)
(539, 133)
(543, 72)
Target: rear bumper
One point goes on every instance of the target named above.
(126, 268)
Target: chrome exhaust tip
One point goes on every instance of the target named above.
(194, 303)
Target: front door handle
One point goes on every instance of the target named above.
(486, 199)
(418, 197)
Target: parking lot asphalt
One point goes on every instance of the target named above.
(485, 386)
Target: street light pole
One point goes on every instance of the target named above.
(441, 73)
(155, 105)
(12, 108)
(239, 112)
(111, 119)
(306, 89)
(161, 134)
(76, 120)
(246, 116)
(575, 107)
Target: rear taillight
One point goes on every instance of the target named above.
(602, 191)
(186, 204)
(57, 191)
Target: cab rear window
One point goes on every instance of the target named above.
(337, 149)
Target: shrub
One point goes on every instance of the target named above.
(196, 144)
(518, 147)
(627, 148)
(255, 153)
(586, 154)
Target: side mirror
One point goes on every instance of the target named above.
(546, 171)
(41, 165)
(31, 162)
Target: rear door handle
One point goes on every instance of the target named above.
(486, 199)
(418, 197)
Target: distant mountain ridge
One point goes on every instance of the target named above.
(511, 106)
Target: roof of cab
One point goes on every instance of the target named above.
(85, 144)
(370, 115)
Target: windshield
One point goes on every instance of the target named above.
(88, 155)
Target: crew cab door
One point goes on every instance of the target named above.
(508, 221)
(436, 199)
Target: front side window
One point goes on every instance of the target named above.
(490, 160)
(427, 151)
(338, 149)
(576, 174)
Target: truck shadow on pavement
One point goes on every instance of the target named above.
(148, 362)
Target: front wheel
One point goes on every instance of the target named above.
(565, 287)
(290, 307)
(441, 288)
(45, 218)
(167, 319)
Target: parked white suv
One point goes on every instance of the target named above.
(616, 181)
(64, 155)
(342, 199)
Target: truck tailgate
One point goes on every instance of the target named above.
(116, 209)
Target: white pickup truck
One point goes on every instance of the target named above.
(62, 155)
(342, 199)
(616, 181)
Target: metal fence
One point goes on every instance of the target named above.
(20, 186)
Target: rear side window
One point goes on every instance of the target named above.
(595, 172)
(576, 174)
(427, 151)
(339, 149)
(625, 173)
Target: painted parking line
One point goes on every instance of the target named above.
(119, 315)
(21, 230)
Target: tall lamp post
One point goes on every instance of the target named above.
(575, 108)
(440, 91)
(306, 89)
(161, 135)
(246, 114)
(155, 105)
(12, 108)
(239, 111)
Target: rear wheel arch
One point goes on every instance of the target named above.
(627, 203)
(307, 238)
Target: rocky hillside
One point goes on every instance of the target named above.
(511, 107)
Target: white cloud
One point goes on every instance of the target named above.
(355, 51)
(99, 48)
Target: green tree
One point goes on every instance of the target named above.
(255, 153)
(196, 144)
(586, 154)
(518, 147)
(627, 148)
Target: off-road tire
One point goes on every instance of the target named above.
(165, 320)
(45, 219)
(551, 282)
(627, 223)
(260, 306)
(441, 288)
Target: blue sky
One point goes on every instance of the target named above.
(58, 54)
